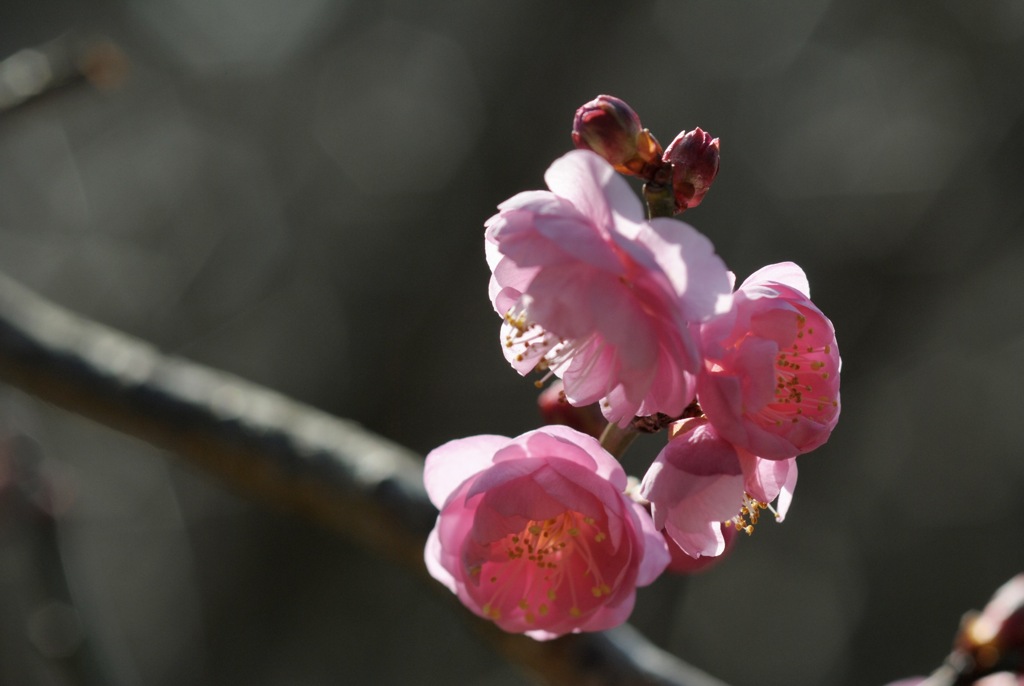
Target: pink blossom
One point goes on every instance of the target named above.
(535, 532)
(598, 296)
(771, 384)
(700, 481)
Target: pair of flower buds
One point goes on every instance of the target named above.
(612, 129)
(543, 533)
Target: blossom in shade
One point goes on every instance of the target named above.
(771, 379)
(535, 532)
(700, 482)
(594, 294)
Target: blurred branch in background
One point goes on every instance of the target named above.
(279, 452)
(34, 72)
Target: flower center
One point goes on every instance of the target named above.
(750, 514)
(802, 373)
(530, 343)
(552, 566)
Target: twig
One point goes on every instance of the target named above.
(278, 451)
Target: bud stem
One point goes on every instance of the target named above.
(658, 194)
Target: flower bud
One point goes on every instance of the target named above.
(610, 127)
(694, 158)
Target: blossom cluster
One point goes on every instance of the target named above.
(636, 313)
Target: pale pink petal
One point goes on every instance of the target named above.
(706, 499)
(541, 634)
(591, 184)
(785, 273)
(656, 553)
(432, 558)
(526, 199)
(688, 258)
(524, 358)
(706, 542)
(766, 479)
(786, 494)
(603, 464)
(449, 465)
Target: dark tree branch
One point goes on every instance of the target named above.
(280, 452)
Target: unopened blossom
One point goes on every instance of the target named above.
(700, 482)
(535, 532)
(612, 129)
(771, 379)
(694, 157)
(595, 294)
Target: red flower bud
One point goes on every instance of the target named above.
(694, 158)
(610, 127)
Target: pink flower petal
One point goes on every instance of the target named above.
(449, 465)
(656, 553)
(593, 187)
(785, 273)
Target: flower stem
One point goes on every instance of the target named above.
(616, 440)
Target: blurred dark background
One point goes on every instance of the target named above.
(294, 191)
